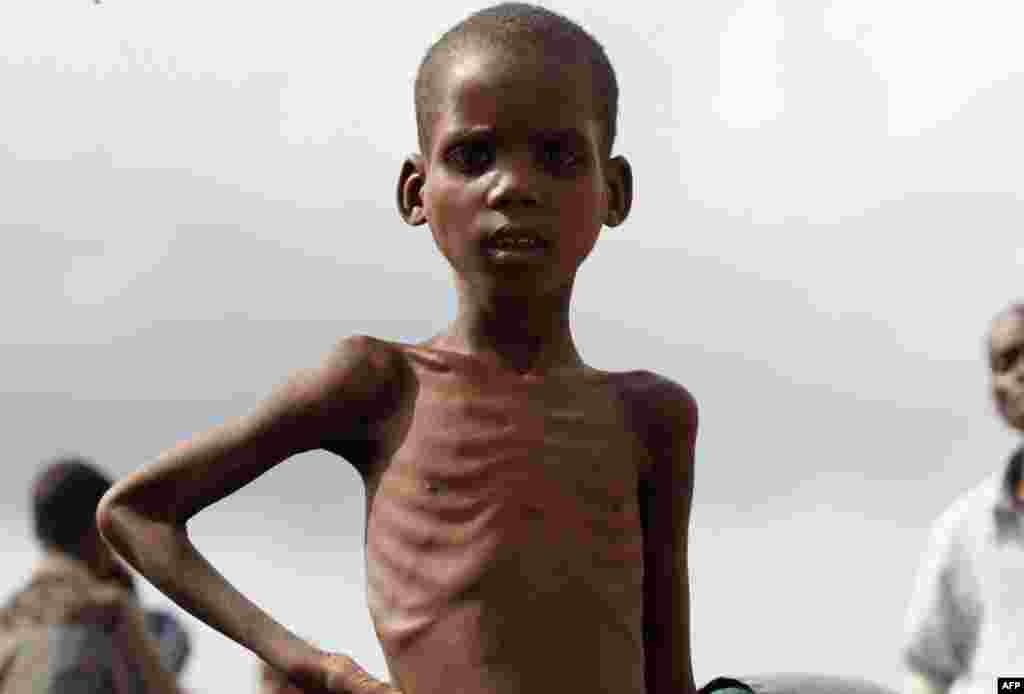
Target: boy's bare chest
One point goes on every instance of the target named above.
(503, 500)
(553, 446)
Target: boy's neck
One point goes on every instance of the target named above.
(523, 334)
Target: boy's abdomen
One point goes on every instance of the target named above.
(504, 546)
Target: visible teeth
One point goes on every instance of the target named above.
(516, 242)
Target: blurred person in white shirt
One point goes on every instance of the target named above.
(965, 621)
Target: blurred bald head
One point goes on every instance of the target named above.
(1006, 363)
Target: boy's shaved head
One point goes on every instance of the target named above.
(520, 29)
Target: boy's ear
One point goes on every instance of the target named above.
(410, 188)
(620, 191)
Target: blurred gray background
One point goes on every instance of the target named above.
(197, 199)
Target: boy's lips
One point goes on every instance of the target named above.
(517, 237)
(516, 243)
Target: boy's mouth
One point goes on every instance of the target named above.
(509, 238)
(516, 246)
(518, 242)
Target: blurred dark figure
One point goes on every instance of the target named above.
(76, 626)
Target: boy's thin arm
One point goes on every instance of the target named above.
(666, 494)
(144, 516)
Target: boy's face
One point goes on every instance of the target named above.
(516, 185)
(1006, 359)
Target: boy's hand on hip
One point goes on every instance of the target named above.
(334, 673)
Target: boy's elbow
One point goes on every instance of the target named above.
(107, 512)
(114, 521)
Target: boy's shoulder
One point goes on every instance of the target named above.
(360, 358)
(662, 412)
(652, 394)
(655, 404)
(372, 365)
(357, 369)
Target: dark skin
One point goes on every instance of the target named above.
(527, 515)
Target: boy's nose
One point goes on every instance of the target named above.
(514, 184)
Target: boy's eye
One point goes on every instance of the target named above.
(559, 156)
(471, 157)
